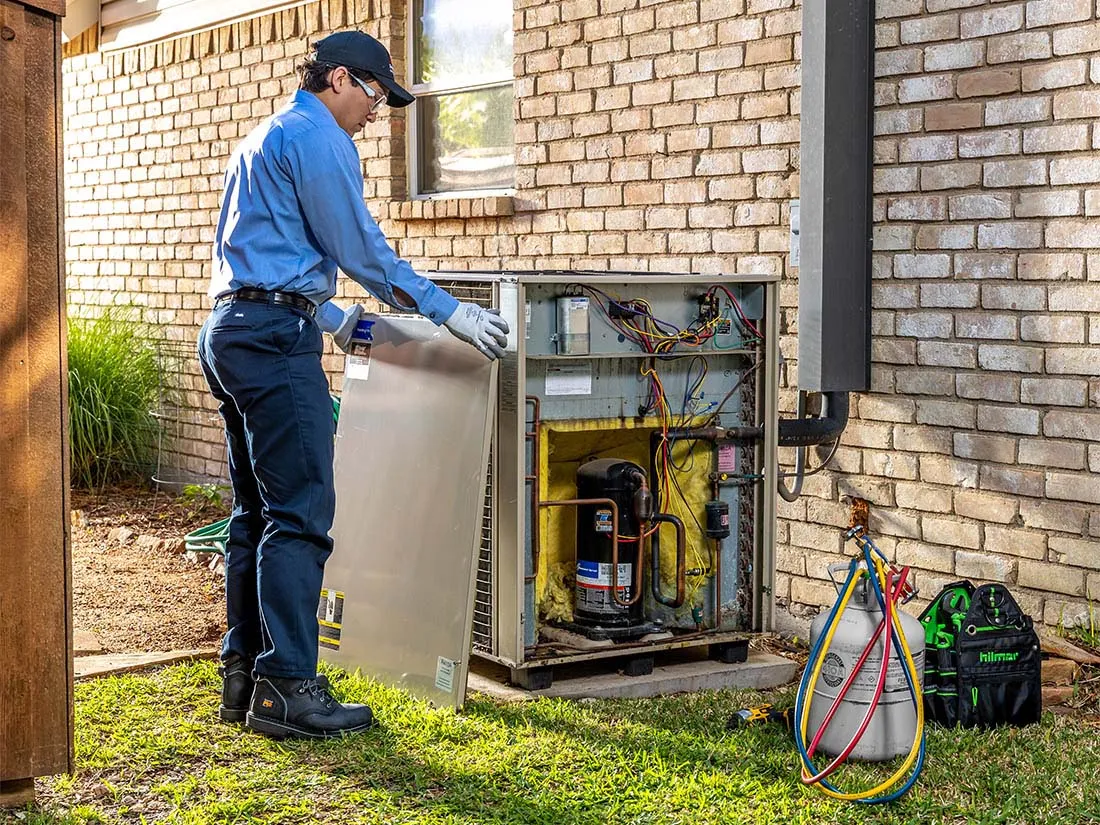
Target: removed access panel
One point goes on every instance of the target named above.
(412, 451)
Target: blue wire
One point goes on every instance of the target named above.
(815, 652)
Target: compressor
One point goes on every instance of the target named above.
(854, 706)
(624, 483)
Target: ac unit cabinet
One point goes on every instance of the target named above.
(674, 375)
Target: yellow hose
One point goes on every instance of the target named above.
(895, 621)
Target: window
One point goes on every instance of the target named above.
(462, 78)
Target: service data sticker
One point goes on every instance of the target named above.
(358, 362)
(330, 619)
(358, 367)
(445, 674)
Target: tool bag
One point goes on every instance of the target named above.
(982, 659)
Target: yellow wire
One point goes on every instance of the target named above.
(895, 621)
(663, 342)
(678, 508)
(665, 418)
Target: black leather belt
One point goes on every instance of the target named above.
(272, 296)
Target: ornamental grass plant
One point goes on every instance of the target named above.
(116, 380)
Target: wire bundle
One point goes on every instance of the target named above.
(888, 592)
(635, 321)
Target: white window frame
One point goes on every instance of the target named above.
(413, 126)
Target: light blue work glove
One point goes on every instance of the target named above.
(479, 327)
(343, 333)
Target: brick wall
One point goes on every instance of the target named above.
(978, 448)
(664, 136)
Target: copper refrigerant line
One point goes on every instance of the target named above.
(681, 554)
(572, 502)
(532, 436)
(681, 561)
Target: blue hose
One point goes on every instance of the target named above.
(815, 654)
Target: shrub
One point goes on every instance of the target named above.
(115, 380)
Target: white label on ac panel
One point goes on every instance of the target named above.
(445, 674)
(509, 310)
(357, 367)
(569, 379)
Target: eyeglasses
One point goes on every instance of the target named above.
(378, 100)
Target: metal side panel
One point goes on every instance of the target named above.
(510, 594)
(412, 451)
(501, 600)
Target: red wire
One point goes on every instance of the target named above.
(891, 598)
(872, 706)
(740, 312)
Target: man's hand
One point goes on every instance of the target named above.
(343, 333)
(482, 328)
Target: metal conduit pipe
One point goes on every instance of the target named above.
(805, 432)
(610, 503)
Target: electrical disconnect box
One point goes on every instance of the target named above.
(627, 509)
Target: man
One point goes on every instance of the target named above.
(292, 212)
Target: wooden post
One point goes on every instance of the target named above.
(35, 627)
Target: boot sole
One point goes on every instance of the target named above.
(281, 730)
(232, 715)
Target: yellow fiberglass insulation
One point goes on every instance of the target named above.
(563, 447)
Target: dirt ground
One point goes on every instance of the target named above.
(134, 591)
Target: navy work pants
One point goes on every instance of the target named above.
(263, 364)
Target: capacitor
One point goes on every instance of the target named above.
(573, 331)
(718, 519)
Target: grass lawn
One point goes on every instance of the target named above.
(149, 748)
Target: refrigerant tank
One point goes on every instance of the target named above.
(622, 482)
(894, 723)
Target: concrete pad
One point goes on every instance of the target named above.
(85, 643)
(488, 686)
(762, 671)
(87, 667)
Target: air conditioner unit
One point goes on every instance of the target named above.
(672, 374)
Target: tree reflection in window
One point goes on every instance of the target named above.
(463, 73)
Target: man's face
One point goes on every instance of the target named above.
(354, 106)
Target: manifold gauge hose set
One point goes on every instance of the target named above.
(860, 694)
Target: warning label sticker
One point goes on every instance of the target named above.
(445, 674)
(727, 458)
(330, 618)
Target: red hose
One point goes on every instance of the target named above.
(891, 598)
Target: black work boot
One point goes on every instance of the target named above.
(303, 707)
(237, 684)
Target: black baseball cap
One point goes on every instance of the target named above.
(358, 50)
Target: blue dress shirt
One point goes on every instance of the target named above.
(293, 211)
